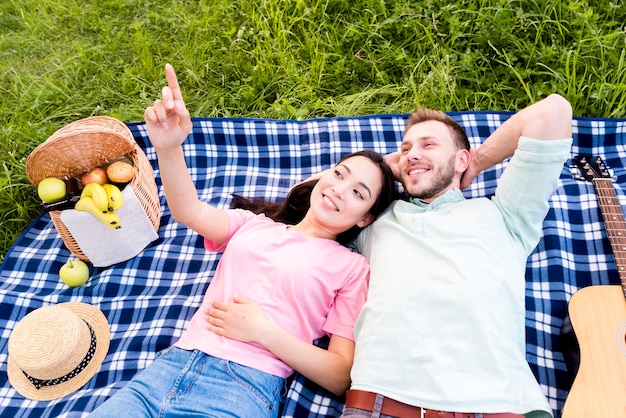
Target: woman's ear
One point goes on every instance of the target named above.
(365, 220)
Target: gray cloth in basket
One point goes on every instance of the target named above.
(105, 246)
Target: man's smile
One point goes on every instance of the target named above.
(414, 171)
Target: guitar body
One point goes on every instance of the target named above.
(598, 316)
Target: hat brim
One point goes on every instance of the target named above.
(96, 319)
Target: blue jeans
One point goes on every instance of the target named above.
(194, 384)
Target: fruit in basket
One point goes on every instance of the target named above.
(108, 217)
(114, 196)
(95, 175)
(74, 273)
(120, 171)
(98, 194)
(51, 189)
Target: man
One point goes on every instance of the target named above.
(442, 332)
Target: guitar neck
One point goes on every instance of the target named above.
(614, 222)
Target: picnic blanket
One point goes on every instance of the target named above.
(149, 298)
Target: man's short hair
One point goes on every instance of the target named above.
(423, 114)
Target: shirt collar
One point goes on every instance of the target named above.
(449, 197)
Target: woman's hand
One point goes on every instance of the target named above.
(243, 320)
(168, 122)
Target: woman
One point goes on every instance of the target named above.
(283, 281)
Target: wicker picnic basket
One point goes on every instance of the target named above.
(87, 143)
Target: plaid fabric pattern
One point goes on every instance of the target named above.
(149, 298)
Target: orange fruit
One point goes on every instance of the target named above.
(120, 172)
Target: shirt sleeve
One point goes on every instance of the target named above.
(236, 218)
(349, 300)
(524, 189)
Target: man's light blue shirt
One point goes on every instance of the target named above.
(443, 326)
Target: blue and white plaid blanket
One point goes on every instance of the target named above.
(149, 298)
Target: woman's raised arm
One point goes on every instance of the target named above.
(168, 124)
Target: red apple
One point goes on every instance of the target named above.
(95, 175)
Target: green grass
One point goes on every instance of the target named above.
(62, 61)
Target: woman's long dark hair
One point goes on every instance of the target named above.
(296, 204)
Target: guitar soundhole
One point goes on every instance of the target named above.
(621, 338)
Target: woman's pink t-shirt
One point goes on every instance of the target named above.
(309, 286)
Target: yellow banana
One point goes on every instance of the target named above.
(98, 194)
(109, 218)
(114, 196)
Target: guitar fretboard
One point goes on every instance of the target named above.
(614, 222)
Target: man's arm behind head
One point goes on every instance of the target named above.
(549, 118)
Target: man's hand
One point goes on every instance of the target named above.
(393, 161)
(168, 122)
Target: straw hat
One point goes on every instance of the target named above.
(55, 350)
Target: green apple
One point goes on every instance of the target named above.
(51, 189)
(74, 273)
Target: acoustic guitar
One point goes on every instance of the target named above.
(598, 316)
